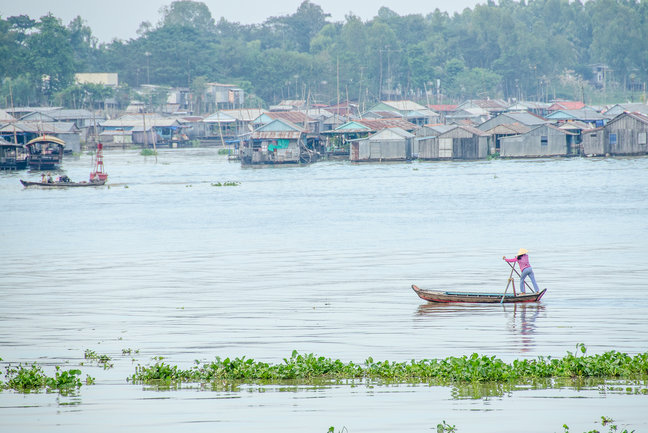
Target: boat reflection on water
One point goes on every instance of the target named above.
(522, 322)
(520, 319)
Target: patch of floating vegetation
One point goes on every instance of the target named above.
(103, 360)
(474, 369)
(226, 183)
(32, 378)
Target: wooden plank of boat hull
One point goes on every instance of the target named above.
(485, 298)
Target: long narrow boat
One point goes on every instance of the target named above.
(27, 183)
(475, 297)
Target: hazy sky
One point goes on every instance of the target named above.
(121, 18)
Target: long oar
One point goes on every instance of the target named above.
(509, 282)
(525, 283)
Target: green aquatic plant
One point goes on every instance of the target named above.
(224, 151)
(148, 152)
(446, 428)
(605, 422)
(227, 183)
(32, 378)
(103, 360)
(466, 369)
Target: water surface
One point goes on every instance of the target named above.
(318, 259)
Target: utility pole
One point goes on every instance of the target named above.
(148, 68)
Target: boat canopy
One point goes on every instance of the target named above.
(46, 139)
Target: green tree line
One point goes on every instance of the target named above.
(506, 49)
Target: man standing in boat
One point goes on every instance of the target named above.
(522, 259)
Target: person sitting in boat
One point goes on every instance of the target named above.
(49, 178)
(64, 178)
(522, 259)
(43, 178)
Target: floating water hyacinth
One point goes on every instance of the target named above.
(474, 368)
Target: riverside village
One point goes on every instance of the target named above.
(304, 131)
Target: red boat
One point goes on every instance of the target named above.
(476, 297)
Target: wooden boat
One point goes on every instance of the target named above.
(45, 152)
(476, 297)
(60, 184)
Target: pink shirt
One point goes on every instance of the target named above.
(523, 262)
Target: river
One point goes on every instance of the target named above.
(318, 259)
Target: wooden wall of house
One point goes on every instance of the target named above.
(593, 143)
(428, 148)
(261, 154)
(381, 150)
(465, 148)
(530, 144)
(631, 136)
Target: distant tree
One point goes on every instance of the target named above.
(298, 29)
(18, 90)
(84, 45)
(187, 13)
(51, 56)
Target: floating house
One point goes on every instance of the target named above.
(408, 110)
(504, 130)
(586, 115)
(522, 118)
(452, 142)
(593, 142)
(26, 131)
(146, 129)
(626, 134)
(231, 123)
(538, 108)
(390, 144)
(338, 139)
(298, 118)
(13, 156)
(635, 107)
(541, 141)
(278, 142)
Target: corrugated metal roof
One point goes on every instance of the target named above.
(378, 124)
(405, 105)
(291, 116)
(71, 114)
(584, 114)
(509, 129)
(219, 117)
(485, 104)
(443, 108)
(159, 122)
(276, 135)
(444, 129)
(391, 134)
(244, 114)
(42, 127)
(566, 105)
(525, 118)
